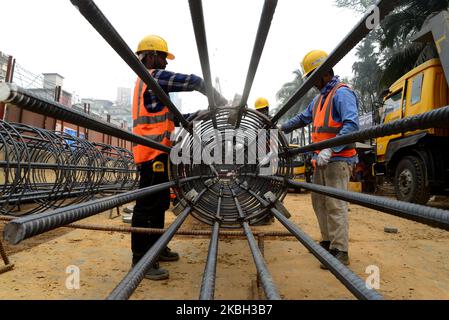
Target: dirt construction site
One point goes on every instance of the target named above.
(257, 200)
(412, 262)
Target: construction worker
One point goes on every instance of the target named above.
(333, 112)
(152, 119)
(262, 106)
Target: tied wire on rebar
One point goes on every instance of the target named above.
(42, 169)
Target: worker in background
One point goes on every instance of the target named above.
(153, 119)
(262, 106)
(333, 112)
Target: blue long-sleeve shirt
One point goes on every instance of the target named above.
(345, 110)
(171, 82)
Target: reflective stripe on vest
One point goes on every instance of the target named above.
(159, 137)
(325, 127)
(153, 120)
(156, 126)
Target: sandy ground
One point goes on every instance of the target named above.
(412, 263)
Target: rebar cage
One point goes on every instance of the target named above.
(236, 153)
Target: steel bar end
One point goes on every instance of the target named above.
(6, 90)
(14, 233)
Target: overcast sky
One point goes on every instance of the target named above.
(49, 36)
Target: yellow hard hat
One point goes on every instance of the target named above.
(154, 43)
(312, 61)
(261, 103)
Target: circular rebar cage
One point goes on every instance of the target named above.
(230, 161)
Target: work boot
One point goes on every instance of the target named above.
(155, 272)
(168, 255)
(325, 245)
(127, 217)
(341, 256)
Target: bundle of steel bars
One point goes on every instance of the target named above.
(42, 169)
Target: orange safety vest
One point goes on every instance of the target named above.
(157, 126)
(325, 127)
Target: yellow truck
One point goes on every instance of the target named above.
(417, 162)
(302, 168)
(299, 166)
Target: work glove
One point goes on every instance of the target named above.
(323, 157)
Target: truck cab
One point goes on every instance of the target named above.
(417, 162)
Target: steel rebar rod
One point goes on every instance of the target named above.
(26, 227)
(98, 20)
(196, 12)
(350, 280)
(207, 290)
(358, 33)
(205, 233)
(130, 282)
(262, 33)
(208, 283)
(434, 217)
(438, 118)
(262, 270)
(10, 93)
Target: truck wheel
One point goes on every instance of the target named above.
(409, 181)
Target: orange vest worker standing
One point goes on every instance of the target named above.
(152, 119)
(333, 112)
(157, 126)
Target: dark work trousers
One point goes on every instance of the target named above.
(149, 212)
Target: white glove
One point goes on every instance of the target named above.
(323, 157)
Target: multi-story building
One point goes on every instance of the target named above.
(123, 96)
(98, 107)
(3, 66)
(120, 114)
(50, 82)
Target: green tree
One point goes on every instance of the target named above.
(367, 87)
(356, 5)
(388, 52)
(397, 30)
